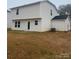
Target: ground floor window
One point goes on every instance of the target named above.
(17, 24)
(36, 22)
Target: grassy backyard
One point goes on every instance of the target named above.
(35, 45)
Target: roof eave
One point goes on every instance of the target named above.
(27, 19)
(25, 5)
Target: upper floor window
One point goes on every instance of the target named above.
(51, 12)
(17, 12)
(36, 22)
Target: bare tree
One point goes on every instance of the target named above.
(65, 9)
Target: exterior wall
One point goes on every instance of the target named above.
(24, 26)
(68, 24)
(9, 20)
(26, 12)
(45, 13)
(59, 25)
(34, 27)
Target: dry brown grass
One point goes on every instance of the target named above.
(34, 45)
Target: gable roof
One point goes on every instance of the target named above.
(60, 17)
(34, 4)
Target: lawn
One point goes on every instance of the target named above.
(36, 45)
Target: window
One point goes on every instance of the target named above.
(51, 12)
(17, 12)
(17, 24)
(36, 22)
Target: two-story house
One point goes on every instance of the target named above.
(33, 17)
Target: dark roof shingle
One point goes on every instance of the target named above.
(60, 17)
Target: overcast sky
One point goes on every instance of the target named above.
(14, 3)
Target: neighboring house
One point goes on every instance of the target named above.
(33, 17)
(61, 23)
